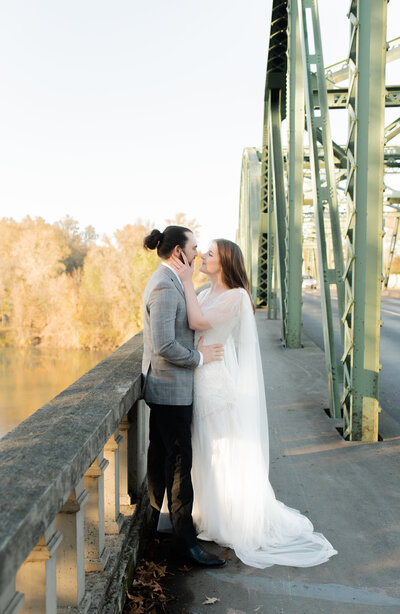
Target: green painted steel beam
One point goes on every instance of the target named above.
(295, 95)
(254, 207)
(324, 186)
(264, 290)
(327, 187)
(337, 97)
(392, 130)
(279, 198)
(277, 53)
(249, 205)
(338, 72)
(319, 130)
(275, 81)
(272, 302)
(363, 275)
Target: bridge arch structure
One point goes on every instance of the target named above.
(324, 204)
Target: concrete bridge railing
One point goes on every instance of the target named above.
(72, 495)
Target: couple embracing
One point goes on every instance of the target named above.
(204, 385)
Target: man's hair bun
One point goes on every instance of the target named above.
(153, 239)
(165, 241)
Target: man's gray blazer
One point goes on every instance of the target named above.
(169, 357)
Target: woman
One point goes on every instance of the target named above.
(234, 503)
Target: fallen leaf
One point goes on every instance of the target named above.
(185, 568)
(146, 595)
(210, 600)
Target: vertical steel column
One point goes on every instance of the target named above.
(267, 262)
(253, 162)
(324, 184)
(363, 276)
(272, 268)
(248, 231)
(265, 244)
(241, 232)
(295, 181)
(279, 198)
(275, 87)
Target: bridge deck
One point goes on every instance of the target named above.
(346, 488)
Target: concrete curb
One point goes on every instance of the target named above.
(108, 589)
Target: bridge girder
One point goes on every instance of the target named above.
(357, 267)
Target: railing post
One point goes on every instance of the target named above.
(137, 447)
(124, 497)
(11, 601)
(71, 594)
(36, 578)
(113, 517)
(96, 554)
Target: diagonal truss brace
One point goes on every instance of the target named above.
(324, 185)
(392, 248)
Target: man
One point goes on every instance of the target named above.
(169, 360)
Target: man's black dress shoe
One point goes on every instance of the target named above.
(202, 557)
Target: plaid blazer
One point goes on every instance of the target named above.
(169, 357)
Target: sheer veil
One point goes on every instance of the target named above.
(264, 531)
(251, 402)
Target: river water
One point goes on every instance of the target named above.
(30, 377)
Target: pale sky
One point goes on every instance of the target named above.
(114, 111)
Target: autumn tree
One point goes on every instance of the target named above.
(60, 288)
(75, 241)
(34, 256)
(113, 280)
(180, 219)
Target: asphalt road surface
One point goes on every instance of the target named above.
(389, 378)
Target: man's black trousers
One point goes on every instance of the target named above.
(169, 464)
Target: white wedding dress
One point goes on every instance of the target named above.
(234, 503)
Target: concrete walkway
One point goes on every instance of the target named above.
(350, 491)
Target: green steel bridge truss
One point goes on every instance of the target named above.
(348, 230)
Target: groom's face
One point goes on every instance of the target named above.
(190, 249)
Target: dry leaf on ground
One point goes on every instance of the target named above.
(146, 593)
(210, 600)
(185, 568)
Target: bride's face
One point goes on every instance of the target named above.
(210, 261)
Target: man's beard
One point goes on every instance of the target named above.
(190, 261)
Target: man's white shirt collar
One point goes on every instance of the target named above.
(175, 273)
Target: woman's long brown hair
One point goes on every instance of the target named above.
(232, 264)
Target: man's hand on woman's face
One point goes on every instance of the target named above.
(182, 269)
